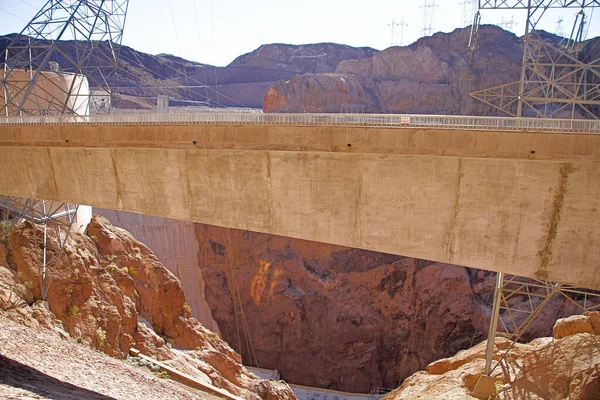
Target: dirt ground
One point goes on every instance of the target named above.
(41, 364)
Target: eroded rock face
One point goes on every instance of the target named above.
(111, 292)
(546, 368)
(320, 93)
(341, 318)
(337, 317)
(334, 317)
(432, 76)
(174, 244)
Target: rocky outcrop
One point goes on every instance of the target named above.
(550, 369)
(321, 93)
(332, 316)
(301, 59)
(174, 244)
(340, 318)
(110, 291)
(432, 76)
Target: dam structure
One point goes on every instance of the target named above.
(513, 195)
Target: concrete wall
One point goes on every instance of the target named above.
(522, 203)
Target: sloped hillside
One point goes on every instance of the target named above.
(39, 361)
(110, 292)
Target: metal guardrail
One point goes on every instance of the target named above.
(341, 120)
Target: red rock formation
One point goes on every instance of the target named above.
(110, 291)
(550, 369)
(319, 93)
(333, 316)
(174, 244)
(431, 76)
(342, 318)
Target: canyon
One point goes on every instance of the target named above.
(324, 315)
(108, 291)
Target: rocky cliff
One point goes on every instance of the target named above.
(174, 244)
(110, 291)
(334, 317)
(434, 75)
(565, 366)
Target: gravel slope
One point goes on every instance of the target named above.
(40, 364)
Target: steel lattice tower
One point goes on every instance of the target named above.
(553, 80)
(39, 78)
(428, 24)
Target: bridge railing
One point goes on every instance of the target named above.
(342, 120)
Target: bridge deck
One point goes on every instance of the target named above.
(524, 203)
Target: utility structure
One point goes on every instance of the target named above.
(507, 24)
(57, 220)
(40, 78)
(468, 11)
(559, 27)
(428, 17)
(393, 25)
(556, 78)
(321, 63)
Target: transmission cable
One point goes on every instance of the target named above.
(179, 47)
(200, 45)
(212, 27)
(178, 72)
(137, 61)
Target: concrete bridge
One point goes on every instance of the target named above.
(513, 195)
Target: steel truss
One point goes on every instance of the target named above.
(39, 78)
(537, 293)
(553, 80)
(58, 217)
(519, 315)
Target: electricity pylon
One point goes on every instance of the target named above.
(554, 81)
(39, 78)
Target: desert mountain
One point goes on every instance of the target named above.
(241, 83)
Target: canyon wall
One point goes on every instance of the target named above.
(331, 316)
(109, 292)
(431, 76)
(434, 75)
(174, 243)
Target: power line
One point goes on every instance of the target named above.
(199, 44)
(29, 4)
(179, 46)
(16, 16)
(212, 27)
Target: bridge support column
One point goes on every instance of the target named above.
(486, 385)
(489, 352)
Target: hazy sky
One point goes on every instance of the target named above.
(215, 32)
